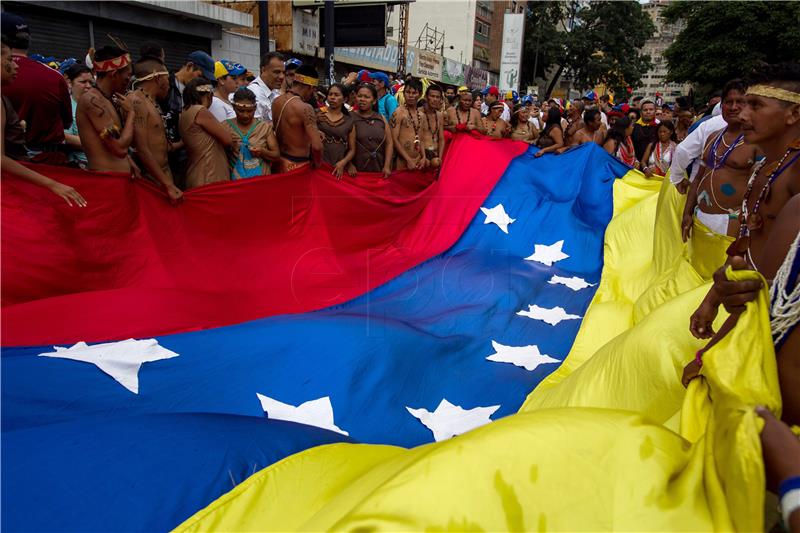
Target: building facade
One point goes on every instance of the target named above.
(69, 29)
(653, 81)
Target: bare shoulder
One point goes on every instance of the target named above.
(309, 116)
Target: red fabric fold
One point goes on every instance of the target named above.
(132, 265)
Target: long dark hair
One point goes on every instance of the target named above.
(671, 127)
(553, 119)
(617, 131)
(345, 93)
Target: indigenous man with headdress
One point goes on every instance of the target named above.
(103, 136)
(149, 132)
(406, 125)
(769, 231)
(493, 124)
(296, 124)
(715, 197)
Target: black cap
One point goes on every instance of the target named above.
(13, 25)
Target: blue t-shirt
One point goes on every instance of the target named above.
(387, 105)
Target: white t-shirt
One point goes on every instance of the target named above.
(691, 149)
(221, 109)
(264, 98)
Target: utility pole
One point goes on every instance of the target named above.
(402, 41)
(329, 42)
(263, 28)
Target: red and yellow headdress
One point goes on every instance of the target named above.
(109, 65)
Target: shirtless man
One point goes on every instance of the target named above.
(433, 127)
(299, 139)
(103, 137)
(149, 133)
(715, 197)
(591, 131)
(770, 119)
(574, 122)
(406, 125)
(463, 117)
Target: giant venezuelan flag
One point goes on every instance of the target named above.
(302, 342)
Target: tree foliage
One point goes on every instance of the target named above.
(725, 40)
(596, 43)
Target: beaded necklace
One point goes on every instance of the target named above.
(750, 220)
(715, 161)
(626, 152)
(458, 116)
(661, 158)
(494, 126)
(416, 125)
(434, 132)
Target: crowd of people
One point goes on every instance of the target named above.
(213, 121)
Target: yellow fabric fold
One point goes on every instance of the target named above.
(610, 441)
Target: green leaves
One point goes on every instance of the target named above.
(598, 43)
(722, 41)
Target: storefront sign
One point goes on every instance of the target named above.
(305, 32)
(428, 65)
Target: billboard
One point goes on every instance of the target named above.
(428, 65)
(511, 55)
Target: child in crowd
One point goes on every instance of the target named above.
(255, 144)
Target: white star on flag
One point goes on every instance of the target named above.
(497, 215)
(318, 413)
(121, 360)
(547, 255)
(551, 316)
(575, 283)
(528, 357)
(449, 420)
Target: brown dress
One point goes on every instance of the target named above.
(208, 162)
(336, 134)
(523, 132)
(370, 139)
